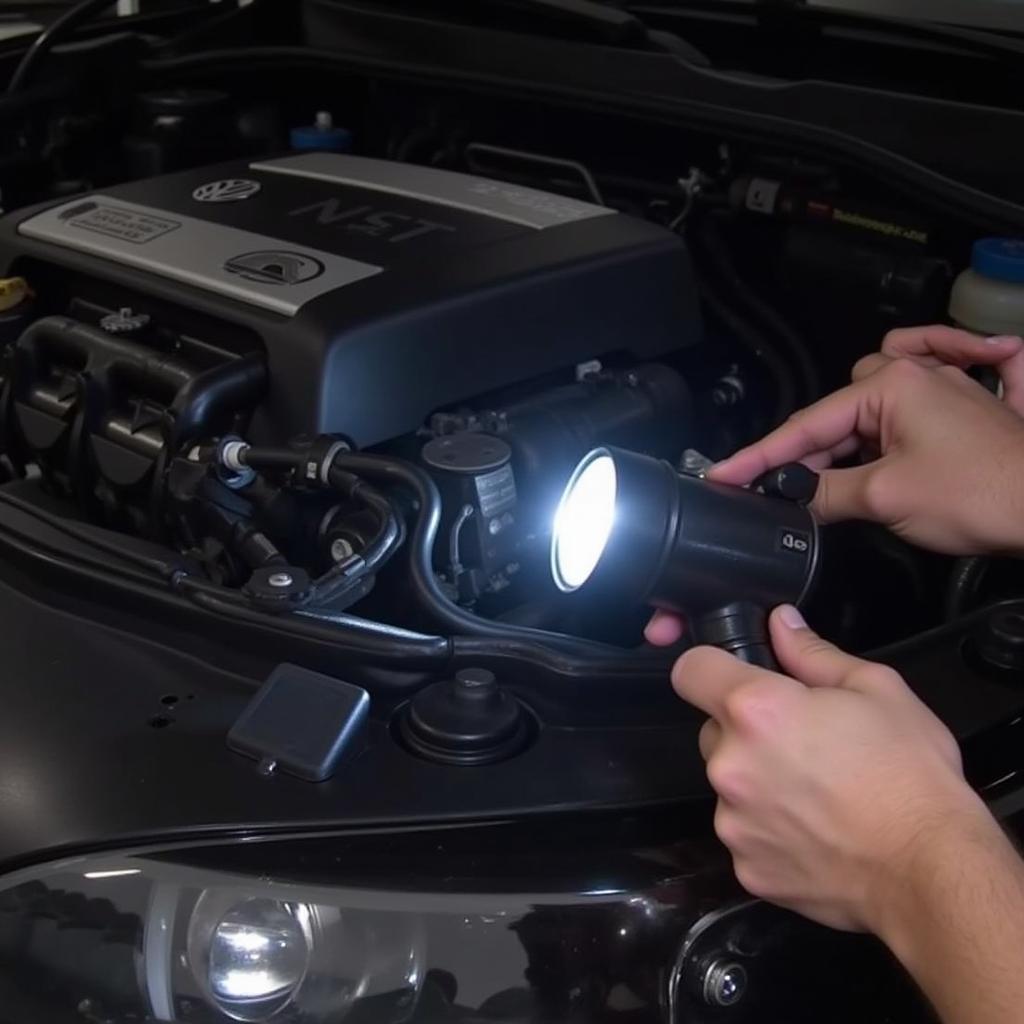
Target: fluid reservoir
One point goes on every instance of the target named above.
(989, 297)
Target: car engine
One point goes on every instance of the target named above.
(488, 333)
(482, 335)
(308, 313)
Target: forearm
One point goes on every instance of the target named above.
(957, 924)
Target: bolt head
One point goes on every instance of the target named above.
(475, 679)
(725, 983)
(280, 579)
(341, 549)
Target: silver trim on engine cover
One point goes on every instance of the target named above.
(517, 204)
(241, 265)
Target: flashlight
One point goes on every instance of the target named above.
(630, 525)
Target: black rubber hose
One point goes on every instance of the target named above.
(964, 584)
(444, 614)
(758, 347)
(390, 533)
(84, 535)
(398, 649)
(382, 650)
(390, 530)
(50, 37)
(717, 250)
(382, 546)
(375, 644)
(272, 458)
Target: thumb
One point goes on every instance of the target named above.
(803, 654)
(843, 494)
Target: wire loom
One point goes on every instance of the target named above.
(470, 639)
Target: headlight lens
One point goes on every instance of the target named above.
(257, 956)
(198, 935)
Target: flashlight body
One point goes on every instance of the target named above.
(693, 546)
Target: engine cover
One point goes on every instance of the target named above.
(379, 292)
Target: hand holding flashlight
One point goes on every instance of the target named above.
(841, 796)
(946, 455)
(826, 776)
(949, 472)
(634, 527)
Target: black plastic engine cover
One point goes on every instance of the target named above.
(381, 291)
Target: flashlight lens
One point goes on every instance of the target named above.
(584, 521)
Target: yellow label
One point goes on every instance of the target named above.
(883, 227)
(12, 291)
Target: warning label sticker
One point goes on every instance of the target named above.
(240, 265)
(117, 222)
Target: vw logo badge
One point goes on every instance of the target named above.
(274, 266)
(230, 190)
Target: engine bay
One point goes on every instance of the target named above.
(324, 369)
(485, 333)
(308, 315)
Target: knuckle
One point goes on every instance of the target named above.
(904, 372)
(708, 737)
(813, 646)
(694, 662)
(727, 827)
(750, 704)
(871, 675)
(867, 365)
(876, 495)
(749, 877)
(727, 780)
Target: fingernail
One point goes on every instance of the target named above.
(1004, 339)
(791, 617)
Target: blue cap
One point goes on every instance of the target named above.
(999, 258)
(311, 137)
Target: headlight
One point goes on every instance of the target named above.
(255, 957)
(258, 932)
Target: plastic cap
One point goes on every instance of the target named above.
(999, 258)
(313, 138)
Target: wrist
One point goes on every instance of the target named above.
(955, 841)
(1010, 537)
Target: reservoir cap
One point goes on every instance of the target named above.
(322, 136)
(999, 258)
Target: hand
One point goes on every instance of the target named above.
(903, 413)
(938, 345)
(949, 476)
(828, 782)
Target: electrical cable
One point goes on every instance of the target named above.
(758, 347)
(344, 466)
(445, 614)
(86, 535)
(454, 534)
(716, 249)
(50, 37)
(964, 583)
(395, 650)
(373, 644)
(563, 655)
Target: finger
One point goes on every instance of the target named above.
(819, 427)
(822, 460)
(804, 655)
(949, 345)
(870, 364)
(664, 629)
(844, 494)
(705, 676)
(1011, 373)
(708, 738)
